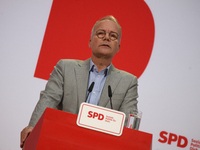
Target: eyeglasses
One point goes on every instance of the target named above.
(102, 33)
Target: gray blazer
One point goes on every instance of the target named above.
(67, 87)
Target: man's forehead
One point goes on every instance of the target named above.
(106, 25)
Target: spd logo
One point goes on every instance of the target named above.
(169, 138)
(94, 115)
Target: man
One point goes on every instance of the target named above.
(70, 80)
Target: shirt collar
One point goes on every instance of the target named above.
(93, 66)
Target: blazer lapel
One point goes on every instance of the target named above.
(82, 72)
(112, 79)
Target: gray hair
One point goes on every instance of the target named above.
(111, 18)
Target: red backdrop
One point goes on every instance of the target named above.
(69, 27)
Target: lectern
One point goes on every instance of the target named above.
(57, 130)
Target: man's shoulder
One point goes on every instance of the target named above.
(125, 74)
(70, 61)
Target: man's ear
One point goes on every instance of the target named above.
(118, 48)
(89, 43)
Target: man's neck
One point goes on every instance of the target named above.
(101, 63)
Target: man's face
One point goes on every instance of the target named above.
(105, 40)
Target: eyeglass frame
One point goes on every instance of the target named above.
(104, 34)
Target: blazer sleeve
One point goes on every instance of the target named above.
(129, 104)
(52, 95)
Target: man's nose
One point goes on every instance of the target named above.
(107, 37)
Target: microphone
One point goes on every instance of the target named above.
(110, 95)
(89, 90)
